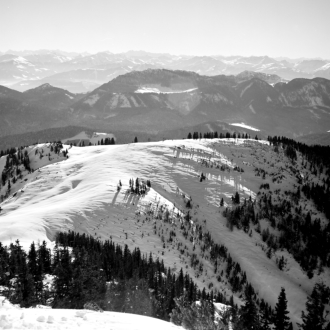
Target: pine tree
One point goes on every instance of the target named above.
(249, 317)
(281, 320)
(264, 319)
(315, 318)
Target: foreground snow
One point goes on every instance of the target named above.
(80, 194)
(12, 317)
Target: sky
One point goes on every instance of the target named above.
(288, 28)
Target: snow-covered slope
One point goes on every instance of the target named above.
(81, 193)
(13, 317)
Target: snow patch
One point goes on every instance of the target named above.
(143, 90)
(92, 100)
(245, 89)
(252, 109)
(134, 101)
(110, 116)
(46, 319)
(113, 101)
(245, 126)
(209, 127)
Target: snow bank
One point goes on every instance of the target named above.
(12, 317)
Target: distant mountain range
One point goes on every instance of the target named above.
(165, 103)
(84, 72)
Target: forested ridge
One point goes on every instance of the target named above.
(291, 225)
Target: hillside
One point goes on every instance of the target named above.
(320, 139)
(80, 73)
(41, 136)
(52, 97)
(157, 102)
(45, 318)
(19, 114)
(154, 101)
(82, 193)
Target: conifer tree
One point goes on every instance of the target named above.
(281, 320)
(249, 317)
(315, 318)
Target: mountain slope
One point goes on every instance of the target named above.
(52, 97)
(159, 101)
(83, 72)
(19, 114)
(81, 193)
(46, 318)
(162, 100)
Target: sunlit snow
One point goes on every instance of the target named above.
(43, 318)
(245, 126)
(81, 194)
(92, 100)
(143, 90)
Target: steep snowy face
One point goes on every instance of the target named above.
(66, 194)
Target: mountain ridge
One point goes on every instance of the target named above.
(21, 70)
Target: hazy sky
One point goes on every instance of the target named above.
(292, 28)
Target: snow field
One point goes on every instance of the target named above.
(13, 317)
(81, 194)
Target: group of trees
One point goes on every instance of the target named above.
(307, 239)
(140, 186)
(107, 141)
(201, 315)
(16, 162)
(82, 266)
(216, 135)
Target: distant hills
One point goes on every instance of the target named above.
(158, 102)
(84, 72)
(162, 100)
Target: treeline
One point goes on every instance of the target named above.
(84, 269)
(107, 141)
(17, 161)
(43, 136)
(216, 135)
(112, 278)
(84, 143)
(306, 240)
(317, 156)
